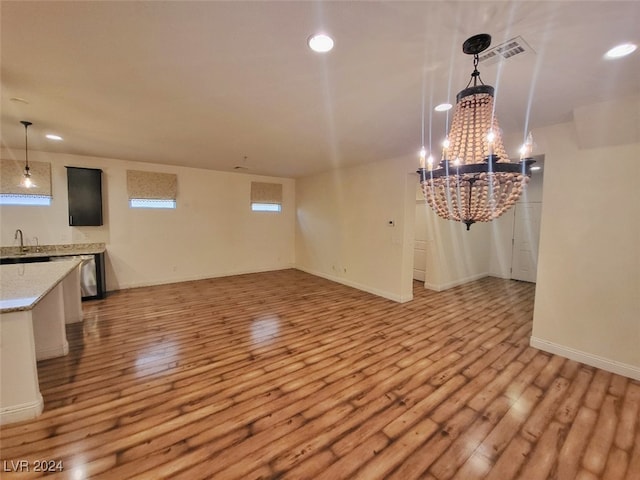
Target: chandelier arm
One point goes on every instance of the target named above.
(523, 167)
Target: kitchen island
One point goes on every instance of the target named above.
(92, 255)
(36, 301)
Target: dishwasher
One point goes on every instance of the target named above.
(88, 276)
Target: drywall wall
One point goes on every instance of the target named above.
(587, 304)
(211, 233)
(451, 255)
(343, 229)
(454, 255)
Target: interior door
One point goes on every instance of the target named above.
(420, 242)
(526, 233)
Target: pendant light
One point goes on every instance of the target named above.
(475, 181)
(26, 181)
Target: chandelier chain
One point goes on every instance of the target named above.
(475, 75)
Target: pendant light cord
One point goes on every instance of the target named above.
(26, 148)
(26, 145)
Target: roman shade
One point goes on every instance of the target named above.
(151, 185)
(266, 193)
(12, 175)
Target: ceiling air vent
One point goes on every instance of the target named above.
(511, 48)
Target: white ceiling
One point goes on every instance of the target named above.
(206, 84)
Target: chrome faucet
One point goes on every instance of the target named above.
(23, 249)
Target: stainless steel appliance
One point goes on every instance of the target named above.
(88, 275)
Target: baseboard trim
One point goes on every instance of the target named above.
(23, 411)
(609, 365)
(52, 352)
(358, 286)
(343, 281)
(193, 278)
(455, 283)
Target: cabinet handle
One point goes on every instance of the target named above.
(70, 219)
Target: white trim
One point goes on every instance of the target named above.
(358, 286)
(365, 288)
(455, 283)
(23, 411)
(607, 364)
(500, 275)
(52, 352)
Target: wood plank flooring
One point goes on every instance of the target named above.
(286, 375)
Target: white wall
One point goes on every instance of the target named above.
(211, 233)
(343, 232)
(454, 255)
(587, 304)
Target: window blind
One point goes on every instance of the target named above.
(151, 185)
(266, 193)
(12, 174)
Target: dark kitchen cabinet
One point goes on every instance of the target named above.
(85, 196)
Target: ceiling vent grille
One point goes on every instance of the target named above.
(511, 48)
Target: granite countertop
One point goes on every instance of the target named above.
(22, 285)
(53, 250)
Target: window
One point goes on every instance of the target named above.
(151, 189)
(151, 203)
(266, 197)
(13, 192)
(266, 207)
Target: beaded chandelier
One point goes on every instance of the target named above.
(475, 181)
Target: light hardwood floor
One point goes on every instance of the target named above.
(286, 375)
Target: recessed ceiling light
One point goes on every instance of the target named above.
(443, 107)
(320, 43)
(621, 50)
(51, 136)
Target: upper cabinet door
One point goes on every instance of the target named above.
(85, 196)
